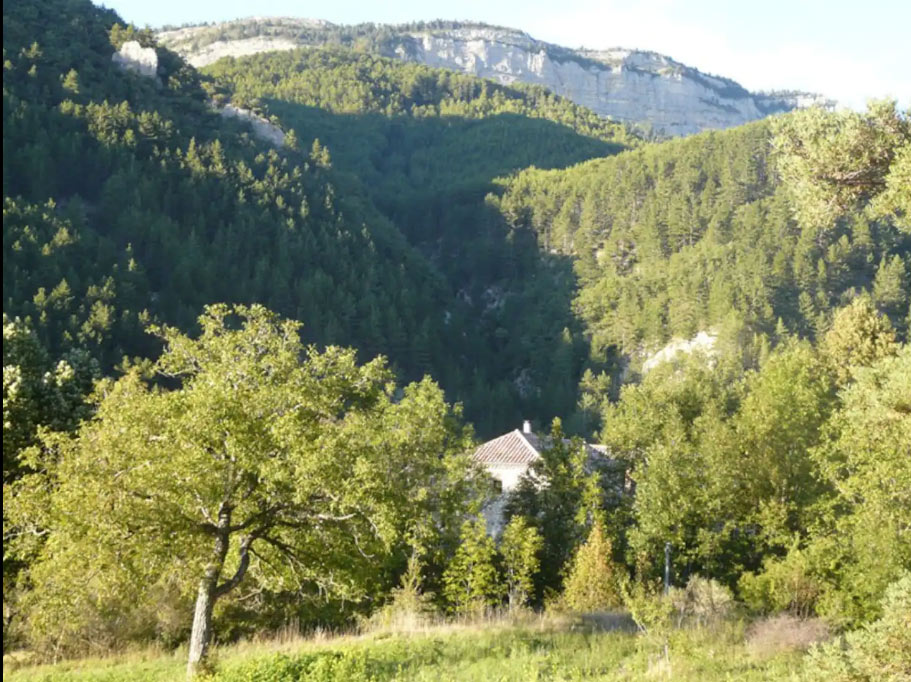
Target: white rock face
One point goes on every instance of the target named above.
(622, 84)
(262, 128)
(134, 57)
(185, 41)
(626, 85)
(703, 341)
(212, 52)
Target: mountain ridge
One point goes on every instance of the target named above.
(633, 86)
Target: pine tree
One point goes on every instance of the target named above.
(520, 546)
(71, 82)
(471, 583)
(592, 581)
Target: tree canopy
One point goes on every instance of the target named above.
(255, 459)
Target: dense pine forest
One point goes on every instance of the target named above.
(288, 351)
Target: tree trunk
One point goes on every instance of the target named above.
(210, 590)
(201, 634)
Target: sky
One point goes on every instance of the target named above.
(848, 50)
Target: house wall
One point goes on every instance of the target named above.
(507, 474)
(509, 477)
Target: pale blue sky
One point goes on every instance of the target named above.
(846, 49)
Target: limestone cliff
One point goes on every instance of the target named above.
(626, 85)
(134, 57)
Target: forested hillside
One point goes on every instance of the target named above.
(699, 233)
(128, 199)
(182, 423)
(427, 145)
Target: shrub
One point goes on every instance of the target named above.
(784, 632)
(878, 652)
(650, 609)
(703, 600)
(786, 584)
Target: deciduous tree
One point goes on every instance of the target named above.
(253, 458)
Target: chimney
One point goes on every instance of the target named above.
(526, 426)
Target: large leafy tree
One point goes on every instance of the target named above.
(253, 458)
(836, 162)
(866, 458)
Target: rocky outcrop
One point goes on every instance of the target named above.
(211, 53)
(260, 126)
(626, 85)
(703, 342)
(134, 57)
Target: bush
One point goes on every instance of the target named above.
(703, 600)
(784, 632)
(410, 607)
(650, 609)
(878, 652)
(786, 584)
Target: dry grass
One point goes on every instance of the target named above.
(510, 647)
(785, 633)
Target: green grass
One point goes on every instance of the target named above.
(541, 650)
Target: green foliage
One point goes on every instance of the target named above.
(879, 651)
(37, 392)
(471, 583)
(859, 337)
(895, 199)
(579, 490)
(651, 609)
(520, 545)
(835, 162)
(421, 143)
(697, 233)
(866, 458)
(719, 461)
(786, 405)
(296, 467)
(592, 579)
(169, 207)
(786, 584)
(442, 232)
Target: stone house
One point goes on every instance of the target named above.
(508, 458)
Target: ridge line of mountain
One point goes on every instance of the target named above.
(640, 87)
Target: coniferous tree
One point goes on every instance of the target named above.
(520, 545)
(592, 579)
(471, 583)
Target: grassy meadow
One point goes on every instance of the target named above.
(532, 648)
